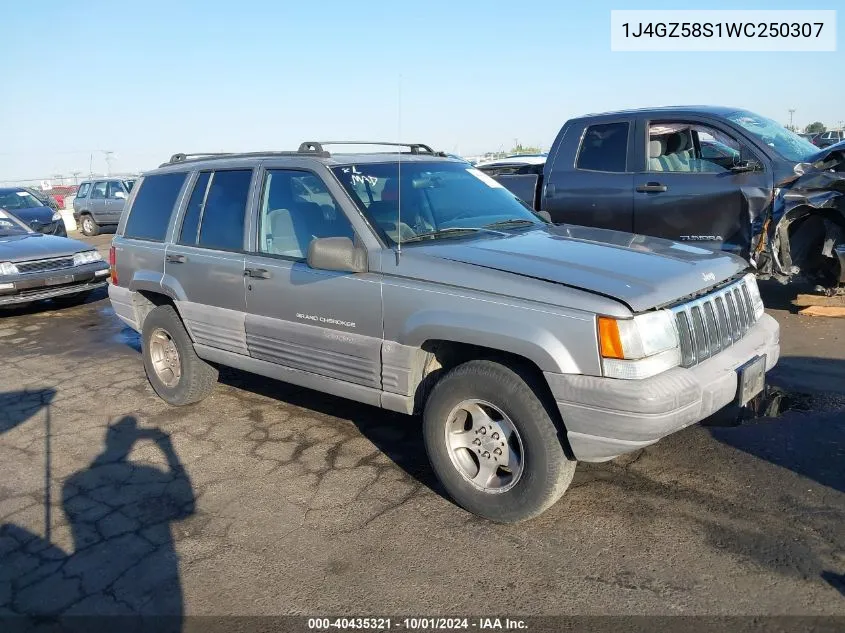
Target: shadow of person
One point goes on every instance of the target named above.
(124, 562)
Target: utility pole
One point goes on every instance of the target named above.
(108, 155)
(75, 175)
(791, 112)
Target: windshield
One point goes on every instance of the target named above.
(18, 199)
(788, 144)
(11, 226)
(436, 196)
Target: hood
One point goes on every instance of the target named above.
(18, 248)
(642, 272)
(33, 217)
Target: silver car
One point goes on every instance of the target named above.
(414, 282)
(99, 203)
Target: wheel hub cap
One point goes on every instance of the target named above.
(484, 446)
(165, 358)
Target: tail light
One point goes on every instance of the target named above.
(113, 265)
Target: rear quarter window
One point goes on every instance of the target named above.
(604, 148)
(154, 202)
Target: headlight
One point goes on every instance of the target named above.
(8, 268)
(56, 216)
(640, 347)
(756, 299)
(86, 257)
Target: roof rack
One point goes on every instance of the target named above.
(415, 148)
(312, 148)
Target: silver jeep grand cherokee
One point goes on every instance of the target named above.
(413, 282)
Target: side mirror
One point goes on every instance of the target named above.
(337, 253)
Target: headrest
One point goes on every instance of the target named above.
(655, 148)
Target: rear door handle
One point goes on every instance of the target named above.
(257, 273)
(176, 259)
(652, 187)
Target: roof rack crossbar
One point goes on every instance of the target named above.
(416, 148)
(180, 157)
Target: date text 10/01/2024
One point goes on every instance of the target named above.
(426, 624)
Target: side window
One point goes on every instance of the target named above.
(296, 208)
(115, 191)
(222, 221)
(98, 191)
(83, 190)
(191, 221)
(153, 205)
(604, 148)
(690, 148)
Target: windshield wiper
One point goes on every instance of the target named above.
(447, 231)
(507, 223)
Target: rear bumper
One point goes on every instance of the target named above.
(605, 417)
(34, 287)
(123, 303)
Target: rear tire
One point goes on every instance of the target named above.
(483, 393)
(173, 368)
(89, 227)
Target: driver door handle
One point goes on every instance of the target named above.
(257, 273)
(176, 259)
(652, 187)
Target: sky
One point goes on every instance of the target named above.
(148, 79)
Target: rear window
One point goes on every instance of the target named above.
(154, 202)
(604, 148)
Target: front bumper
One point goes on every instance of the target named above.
(37, 286)
(605, 417)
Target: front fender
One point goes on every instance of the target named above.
(533, 341)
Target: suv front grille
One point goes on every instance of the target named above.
(45, 265)
(714, 322)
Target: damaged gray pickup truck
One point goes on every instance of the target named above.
(720, 177)
(415, 283)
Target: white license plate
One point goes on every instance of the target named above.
(57, 281)
(752, 379)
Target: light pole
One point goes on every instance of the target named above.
(791, 112)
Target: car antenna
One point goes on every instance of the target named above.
(399, 173)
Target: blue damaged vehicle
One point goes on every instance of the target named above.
(34, 266)
(411, 281)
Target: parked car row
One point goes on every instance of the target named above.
(414, 282)
(717, 177)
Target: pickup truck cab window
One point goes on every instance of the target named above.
(604, 148)
(296, 208)
(691, 148)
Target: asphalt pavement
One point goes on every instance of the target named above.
(271, 499)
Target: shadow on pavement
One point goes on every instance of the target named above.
(397, 436)
(123, 562)
(810, 445)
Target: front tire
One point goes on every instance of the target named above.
(173, 368)
(89, 226)
(494, 444)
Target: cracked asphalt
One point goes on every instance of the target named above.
(269, 499)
